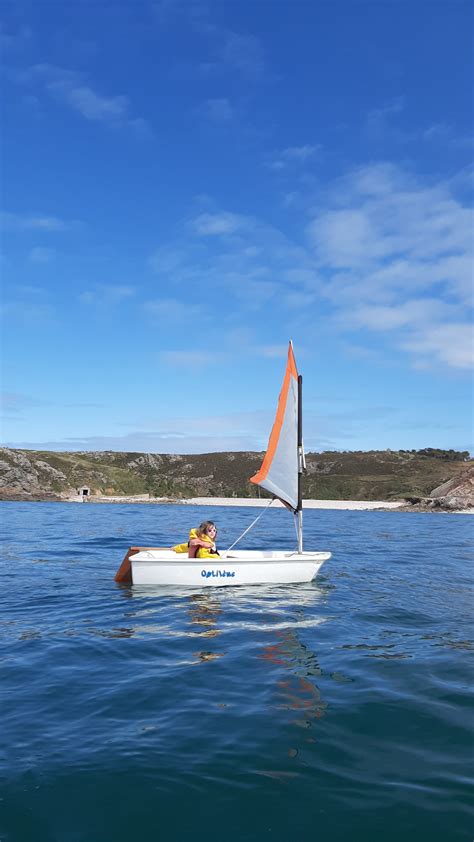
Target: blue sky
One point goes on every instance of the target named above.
(187, 185)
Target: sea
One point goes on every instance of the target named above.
(335, 710)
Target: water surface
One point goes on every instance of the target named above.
(336, 710)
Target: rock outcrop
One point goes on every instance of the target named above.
(456, 494)
(22, 475)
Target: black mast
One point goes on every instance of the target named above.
(299, 510)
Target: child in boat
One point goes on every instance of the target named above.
(202, 542)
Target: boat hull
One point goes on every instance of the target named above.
(245, 567)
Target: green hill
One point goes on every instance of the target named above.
(372, 475)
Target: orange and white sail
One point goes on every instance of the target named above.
(279, 471)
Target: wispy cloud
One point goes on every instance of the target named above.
(385, 123)
(206, 433)
(106, 295)
(219, 110)
(295, 155)
(33, 222)
(174, 310)
(70, 88)
(166, 11)
(41, 254)
(445, 134)
(397, 256)
(14, 403)
(193, 359)
(242, 52)
(380, 120)
(228, 51)
(238, 259)
(14, 40)
(210, 224)
(451, 344)
(386, 257)
(149, 442)
(28, 310)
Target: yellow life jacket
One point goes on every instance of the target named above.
(202, 552)
(180, 548)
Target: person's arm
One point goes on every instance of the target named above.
(198, 542)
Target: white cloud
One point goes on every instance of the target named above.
(296, 155)
(382, 125)
(273, 352)
(14, 403)
(32, 222)
(150, 442)
(389, 317)
(14, 41)
(397, 256)
(380, 120)
(243, 53)
(385, 254)
(40, 254)
(169, 310)
(69, 87)
(28, 311)
(106, 295)
(226, 50)
(452, 344)
(91, 105)
(219, 110)
(209, 224)
(194, 358)
(446, 135)
(235, 258)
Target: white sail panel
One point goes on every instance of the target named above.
(279, 471)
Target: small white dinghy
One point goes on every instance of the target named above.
(280, 473)
(242, 567)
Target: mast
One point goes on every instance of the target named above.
(299, 510)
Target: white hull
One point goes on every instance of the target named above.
(241, 567)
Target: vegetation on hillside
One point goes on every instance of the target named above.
(372, 475)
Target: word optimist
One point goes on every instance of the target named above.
(222, 574)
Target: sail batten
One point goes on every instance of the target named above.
(278, 473)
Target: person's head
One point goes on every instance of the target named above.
(208, 527)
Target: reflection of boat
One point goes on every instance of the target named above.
(280, 474)
(203, 613)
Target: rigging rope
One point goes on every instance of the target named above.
(250, 527)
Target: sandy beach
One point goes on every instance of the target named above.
(307, 504)
(342, 505)
(254, 502)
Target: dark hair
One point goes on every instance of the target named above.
(204, 526)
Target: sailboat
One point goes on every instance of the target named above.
(280, 474)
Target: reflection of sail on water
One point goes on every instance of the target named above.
(297, 691)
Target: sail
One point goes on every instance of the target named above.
(279, 471)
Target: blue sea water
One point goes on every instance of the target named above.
(335, 710)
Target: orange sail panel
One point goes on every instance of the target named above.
(279, 471)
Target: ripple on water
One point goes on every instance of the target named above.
(338, 709)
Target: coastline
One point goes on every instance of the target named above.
(257, 502)
(355, 505)
(234, 502)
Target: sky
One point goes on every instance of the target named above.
(187, 185)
